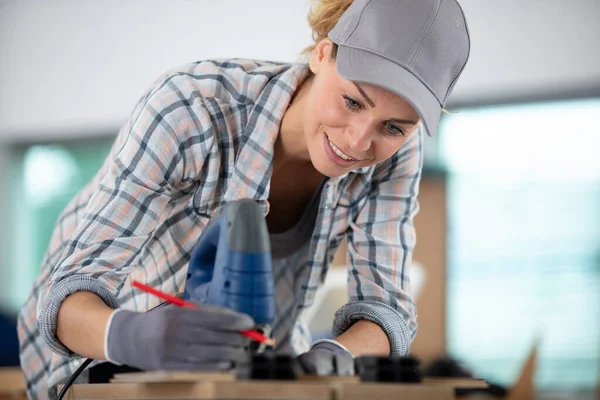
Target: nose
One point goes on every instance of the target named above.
(359, 136)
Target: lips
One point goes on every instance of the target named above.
(336, 155)
(340, 153)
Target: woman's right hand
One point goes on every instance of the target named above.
(178, 338)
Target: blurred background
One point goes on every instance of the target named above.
(508, 253)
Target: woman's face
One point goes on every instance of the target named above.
(350, 125)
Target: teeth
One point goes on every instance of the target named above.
(339, 152)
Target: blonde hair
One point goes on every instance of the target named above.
(322, 17)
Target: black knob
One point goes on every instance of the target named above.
(388, 369)
(269, 366)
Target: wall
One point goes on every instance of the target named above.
(430, 251)
(532, 49)
(5, 269)
(77, 67)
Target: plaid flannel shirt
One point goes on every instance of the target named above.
(201, 136)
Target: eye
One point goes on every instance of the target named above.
(352, 104)
(393, 129)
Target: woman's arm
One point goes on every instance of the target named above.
(381, 239)
(365, 338)
(327, 357)
(82, 321)
(153, 158)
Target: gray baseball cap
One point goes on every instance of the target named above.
(416, 49)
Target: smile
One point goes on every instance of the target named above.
(340, 153)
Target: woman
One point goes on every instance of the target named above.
(330, 149)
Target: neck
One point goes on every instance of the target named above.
(291, 150)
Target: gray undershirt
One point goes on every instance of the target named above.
(287, 243)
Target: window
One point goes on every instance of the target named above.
(43, 179)
(524, 240)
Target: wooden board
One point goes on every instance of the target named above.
(12, 384)
(191, 376)
(173, 377)
(243, 390)
(457, 383)
(391, 391)
(224, 386)
(329, 379)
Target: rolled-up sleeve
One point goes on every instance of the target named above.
(381, 240)
(147, 162)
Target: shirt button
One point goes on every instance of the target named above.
(318, 257)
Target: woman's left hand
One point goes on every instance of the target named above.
(326, 357)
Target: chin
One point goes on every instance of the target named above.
(321, 166)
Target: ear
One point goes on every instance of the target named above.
(320, 55)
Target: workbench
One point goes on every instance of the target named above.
(12, 384)
(221, 386)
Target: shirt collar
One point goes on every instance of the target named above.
(253, 165)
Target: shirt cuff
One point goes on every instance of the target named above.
(338, 346)
(392, 323)
(106, 331)
(48, 314)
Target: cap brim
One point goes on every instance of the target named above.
(363, 66)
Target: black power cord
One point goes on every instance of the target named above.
(70, 381)
(87, 362)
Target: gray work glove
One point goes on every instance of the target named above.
(327, 357)
(178, 338)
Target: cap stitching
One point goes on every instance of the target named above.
(434, 23)
(358, 21)
(417, 48)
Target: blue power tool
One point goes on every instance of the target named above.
(231, 264)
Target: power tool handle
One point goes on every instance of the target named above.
(202, 261)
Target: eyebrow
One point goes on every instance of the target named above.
(362, 92)
(370, 102)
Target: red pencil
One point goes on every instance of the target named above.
(252, 334)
